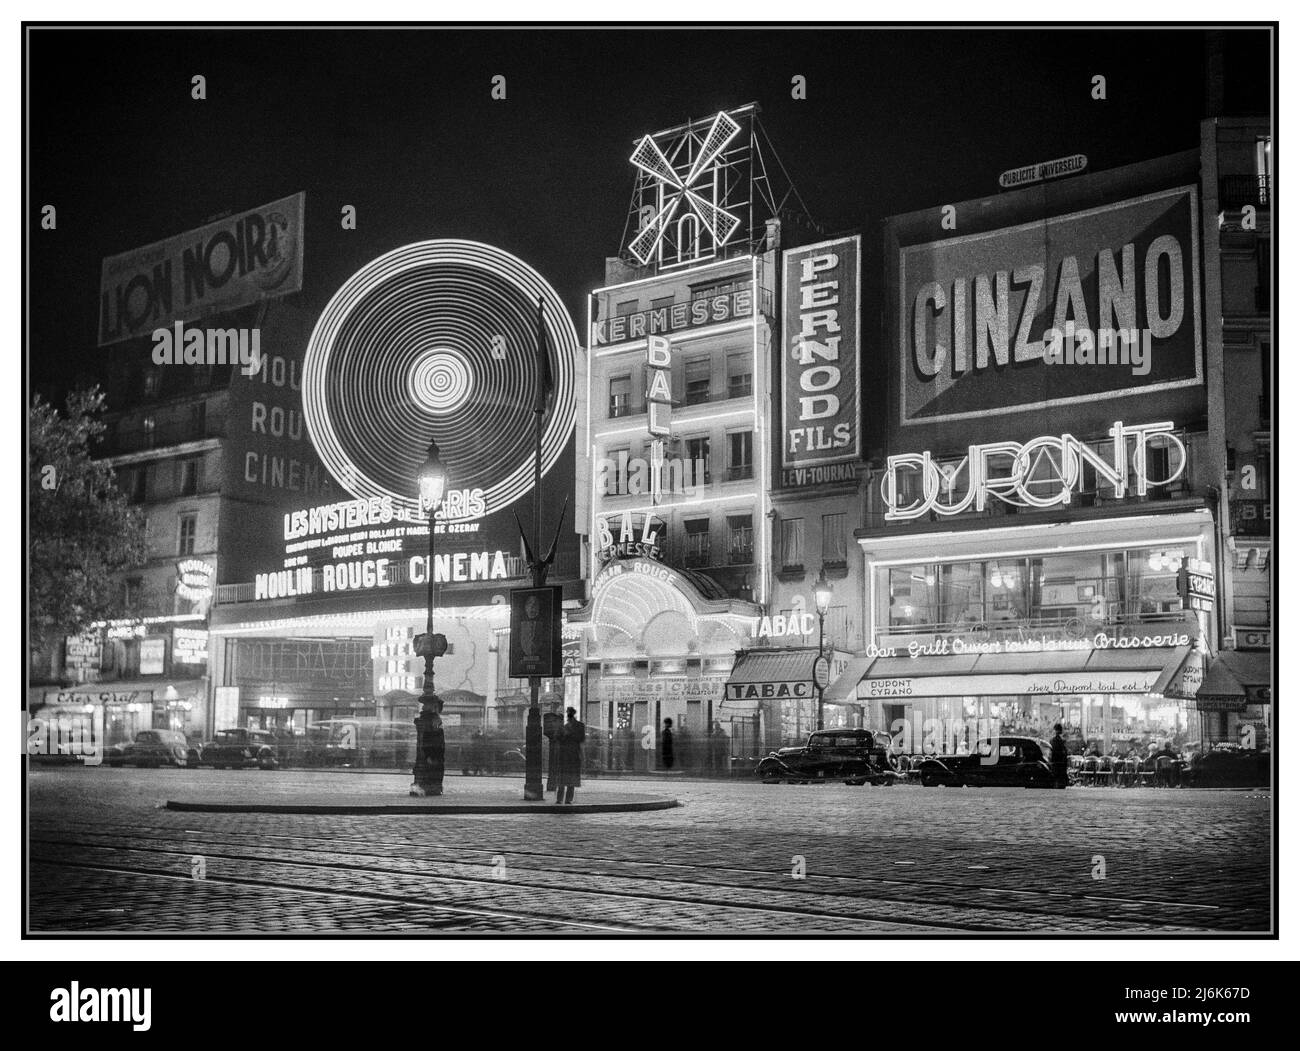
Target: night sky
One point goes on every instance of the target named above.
(400, 124)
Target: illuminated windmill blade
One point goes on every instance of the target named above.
(722, 132)
(650, 159)
(722, 223)
(643, 245)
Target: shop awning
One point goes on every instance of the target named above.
(776, 674)
(1235, 679)
(1047, 673)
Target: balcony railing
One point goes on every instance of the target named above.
(1237, 191)
(1250, 517)
(162, 437)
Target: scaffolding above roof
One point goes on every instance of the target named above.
(707, 189)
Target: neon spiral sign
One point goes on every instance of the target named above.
(438, 340)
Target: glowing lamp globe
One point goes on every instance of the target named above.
(433, 479)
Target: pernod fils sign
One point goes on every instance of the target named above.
(820, 362)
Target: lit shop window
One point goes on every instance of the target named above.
(1076, 588)
(740, 455)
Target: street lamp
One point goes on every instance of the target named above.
(430, 741)
(822, 592)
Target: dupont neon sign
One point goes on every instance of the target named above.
(1043, 472)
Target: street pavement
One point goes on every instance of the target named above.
(736, 858)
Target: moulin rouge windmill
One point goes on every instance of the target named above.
(707, 189)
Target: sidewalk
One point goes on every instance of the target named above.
(302, 792)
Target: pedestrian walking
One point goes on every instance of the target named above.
(1060, 759)
(568, 774)
(666, 745)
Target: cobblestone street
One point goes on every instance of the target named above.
(104, 858)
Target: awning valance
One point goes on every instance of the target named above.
(1049, 673)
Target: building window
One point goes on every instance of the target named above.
(698, 372)
(697, 452)
(740, 540)
(131, 482)
(719, 288)
(147, 425)
(189, 524)
(740, 455)
(697, 542)
(132, 589)
(152, 381)
(662, 303)
(628, 306)
(188, 470)
(835, 538)
(740, 375)
(620, 396)
(792, 542)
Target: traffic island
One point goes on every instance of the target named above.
(387, 795)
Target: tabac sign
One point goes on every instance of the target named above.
(821, 350)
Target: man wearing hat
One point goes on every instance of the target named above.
(569, 774)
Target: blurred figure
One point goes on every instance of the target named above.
(568, 774)
(685, 748)
(666, 745)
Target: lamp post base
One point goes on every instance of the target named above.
(533, 752)
(430, 750)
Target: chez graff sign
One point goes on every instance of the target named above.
(973, 309)
(679, 317)
(219, 267)
(820, 362)
(1042, 472)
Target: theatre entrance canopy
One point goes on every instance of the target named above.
(660, 638)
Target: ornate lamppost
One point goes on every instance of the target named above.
(430, 741)
(822, 592)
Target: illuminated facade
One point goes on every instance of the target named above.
(1041, 542)
(677, 428)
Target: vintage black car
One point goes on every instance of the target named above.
(154, 748)
(855, 757)
(998, 761)
(240, 748)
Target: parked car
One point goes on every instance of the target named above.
(855, 757)
(154, 748)
(240, 748)
(1006, 761)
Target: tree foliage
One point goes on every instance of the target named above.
(81, 529)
